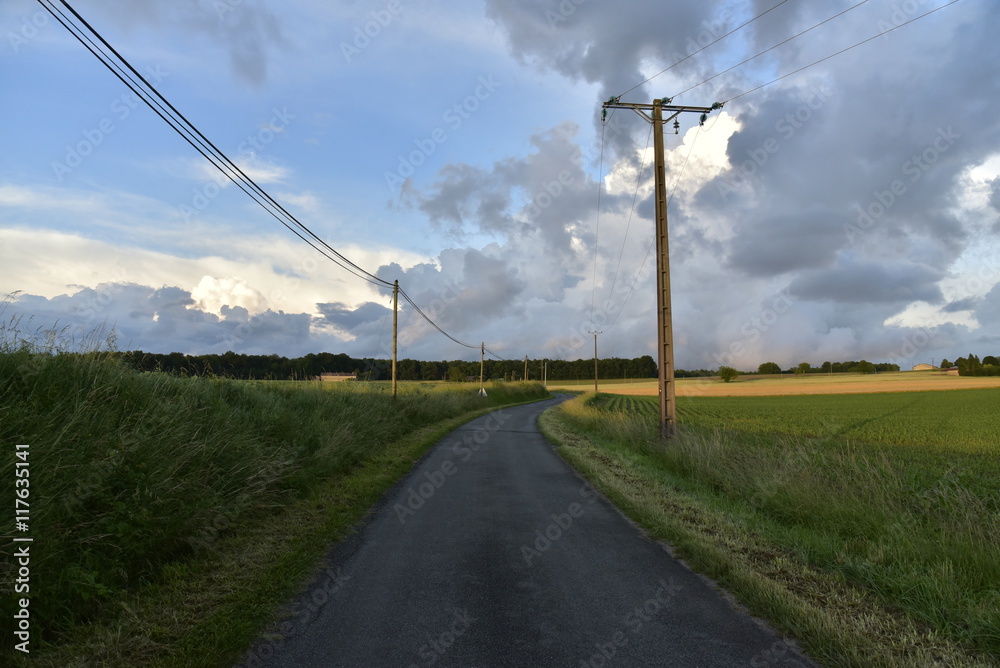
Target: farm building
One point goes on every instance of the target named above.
(335, 377)
(924, 367)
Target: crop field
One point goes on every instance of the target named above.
(865, 525)
(786, 385)
(953, 419)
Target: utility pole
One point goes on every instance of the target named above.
(595, 360)
(525, 368)
(482, 357)
(395, 323)
(653, 113)
(545, 374)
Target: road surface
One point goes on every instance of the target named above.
(494, 552)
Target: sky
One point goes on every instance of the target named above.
(849, 211)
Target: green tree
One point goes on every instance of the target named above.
(989, 360)
(769, 368)
(803, 368)
(945, 363)
(865, 367)
(728, 373)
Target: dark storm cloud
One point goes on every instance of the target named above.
(164, 320)
(542, 193)
(247, 31)
(967, 304)
(855, 282)
(346, 318)
(995, 193)
(786, 242)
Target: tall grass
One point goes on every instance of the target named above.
(923, 533)
(134, 474)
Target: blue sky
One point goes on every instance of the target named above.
(847, 212)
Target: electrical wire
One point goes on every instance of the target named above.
(692, 55)
(649, 248)
(433, 324)
(743, 62)
(597, 228)
(832, 55)
(189, 132)
(635, 196)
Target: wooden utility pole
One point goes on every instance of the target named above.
(482, 362)
(595, 362)
(525, 368)
(395, 328)
(653, 113)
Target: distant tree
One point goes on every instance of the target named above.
(989, 360)
(827, 367)
(945, 363)
(769, 368)
(865, 367)
(803, 368)
(455, 373)
(728, 373)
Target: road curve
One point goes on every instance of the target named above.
(494, 552)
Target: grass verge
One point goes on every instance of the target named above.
(172, 516)
(833, 543)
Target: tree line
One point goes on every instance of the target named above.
(973, 366)
(308, 367)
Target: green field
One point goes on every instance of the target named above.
(951, 419)
(865, 526)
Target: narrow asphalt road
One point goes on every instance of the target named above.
(493, 552)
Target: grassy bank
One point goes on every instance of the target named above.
(170, 516)
(870, 555)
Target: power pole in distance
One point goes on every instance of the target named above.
(482, 357)
(595, 360)
(525, 368)
(653, 113)
(395, 322)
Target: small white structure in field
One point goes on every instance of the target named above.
(335, 377)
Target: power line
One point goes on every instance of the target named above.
(649, 248)
(433, 324)
(743, 62)
(832, 55)
(190, 133)
(691, 55)
(635, 196)
(597, 228)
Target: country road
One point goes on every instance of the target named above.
(494, 552)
